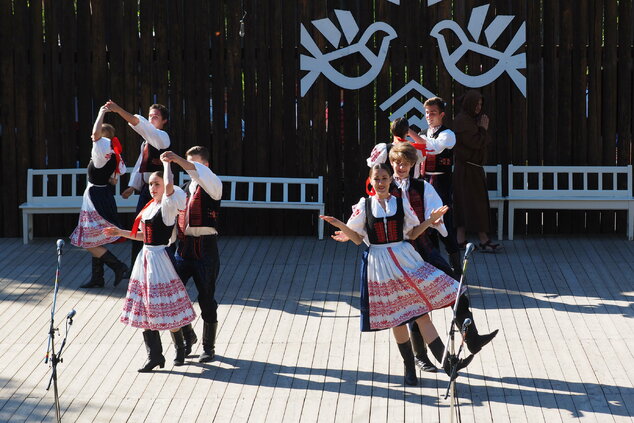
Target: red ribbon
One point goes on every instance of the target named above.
(116, 147)
(369, 189)
(137, 220)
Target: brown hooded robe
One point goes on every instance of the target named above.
(471, 198)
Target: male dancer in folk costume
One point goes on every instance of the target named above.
(155, 142)
(438, 171)
(156, 298)
(99, 209)
(197, 254)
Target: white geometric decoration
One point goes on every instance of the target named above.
(413, 104)
(507, 60)
(318, 63)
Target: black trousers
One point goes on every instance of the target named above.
(197, 258)
(443, 186)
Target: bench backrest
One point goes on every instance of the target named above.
(494, 172)
(570, 181)
(64, 186)
(254, 189)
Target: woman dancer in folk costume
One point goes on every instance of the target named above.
(99, 209)
(157, 299)
(401, 286)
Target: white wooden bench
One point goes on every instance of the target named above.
(571, 187)
(61, 191)
(496, 199)
(277, 193)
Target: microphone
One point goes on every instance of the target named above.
(70, 315)
(468, 250)
(465, 325)
(60, 245)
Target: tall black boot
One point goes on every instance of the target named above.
(154, 349)
(473, 339)
(96, 280)
(408, 360)
(420, 351)
(190, 338)
(437, 348)
(179, 344)
(119, 268)
(456, 264)
(209, 342)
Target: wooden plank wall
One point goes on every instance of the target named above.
(61, 60)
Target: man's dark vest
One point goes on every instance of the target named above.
(384, 231)
(442, 162)
(151, 159)
(203, 210)
(156, 232)
(100, 176)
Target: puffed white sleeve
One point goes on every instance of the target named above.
(156, 137)
(356, 222)
(171, 204)
(432, 202)
(136, 178)
(446, 139)
(101, 151)
(378, 155)
(207, 179)
(410, 220)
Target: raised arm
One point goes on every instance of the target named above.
(96, 128)
(168, 178)
(128, 117)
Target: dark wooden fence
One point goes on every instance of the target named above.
(61, 60)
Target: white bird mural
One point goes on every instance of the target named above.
(507, 60)
(318, 63)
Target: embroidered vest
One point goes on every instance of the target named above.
(442, 162)
(156, 232)
(151, 159)
(100, 176)
(384, 230)
(203, 210)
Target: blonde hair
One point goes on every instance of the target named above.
(108, 130)
(403, 151)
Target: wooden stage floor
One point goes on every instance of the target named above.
(289, 347)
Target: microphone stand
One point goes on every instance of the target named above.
(449, 345)
(50, 351)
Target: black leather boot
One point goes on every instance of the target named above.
(456, 264)
(209, 342)
(473, 339)
(119, 268)
(190, 338)
(408, 360)
(96, 280)
(154, 349)
(437, 348)
(420, 352)
(179, 344)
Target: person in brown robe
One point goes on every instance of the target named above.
(471, 197)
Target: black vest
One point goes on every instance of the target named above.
(151, 159)
(203, 210)
(156, 232)
(442, 162)
(384, 231)
(101, 176)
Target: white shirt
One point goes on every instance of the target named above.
(445, 140)
(157, 138)
(357, 221)
(102, 152)
(212, 185)
(431, 199)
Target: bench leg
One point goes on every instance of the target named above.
(630, 222)
(511, 221)
(320, 225)
(500, 221)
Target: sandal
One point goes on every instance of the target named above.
(489, 247)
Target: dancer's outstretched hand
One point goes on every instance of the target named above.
(437, 214)
(112, 231)
(332, 220)
(340, 236)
